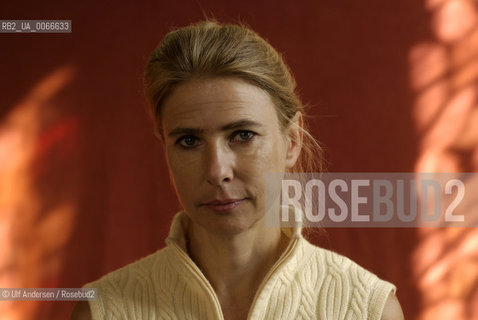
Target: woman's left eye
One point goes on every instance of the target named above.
(243, 135)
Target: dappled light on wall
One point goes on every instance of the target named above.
(444, 79)
(37, 208)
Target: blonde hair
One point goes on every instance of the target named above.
(210, 49)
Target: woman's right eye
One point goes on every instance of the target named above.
(188, 141)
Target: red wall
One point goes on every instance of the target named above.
(95, 193)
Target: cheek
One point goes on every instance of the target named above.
(182, 169)
(182, 177)
(272, 153)
(266, 156)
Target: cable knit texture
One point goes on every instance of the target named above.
(307, 282)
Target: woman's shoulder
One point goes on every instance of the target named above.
(339, 276)
(141, 268)
(121, 286)
(336, 263)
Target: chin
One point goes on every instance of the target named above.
(230, 223)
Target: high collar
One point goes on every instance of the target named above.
(178, 232)
(287, 264)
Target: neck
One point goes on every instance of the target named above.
(236, 265)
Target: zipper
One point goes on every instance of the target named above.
(200, 275)
(210, 289)
(274, 268)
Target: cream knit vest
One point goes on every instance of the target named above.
(306, 282)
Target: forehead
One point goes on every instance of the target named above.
(214, 102)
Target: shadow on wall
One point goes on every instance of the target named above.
(444, 79)
(37, 191)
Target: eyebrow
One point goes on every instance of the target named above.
(230, 126)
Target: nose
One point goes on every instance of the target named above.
(219, 165)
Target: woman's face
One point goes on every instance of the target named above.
(221, 136)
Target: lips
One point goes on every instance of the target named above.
(223, 205)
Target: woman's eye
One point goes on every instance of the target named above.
(243, 135)
(188, 141)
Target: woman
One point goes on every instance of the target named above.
(224, 106)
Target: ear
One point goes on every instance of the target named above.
(294, 140)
